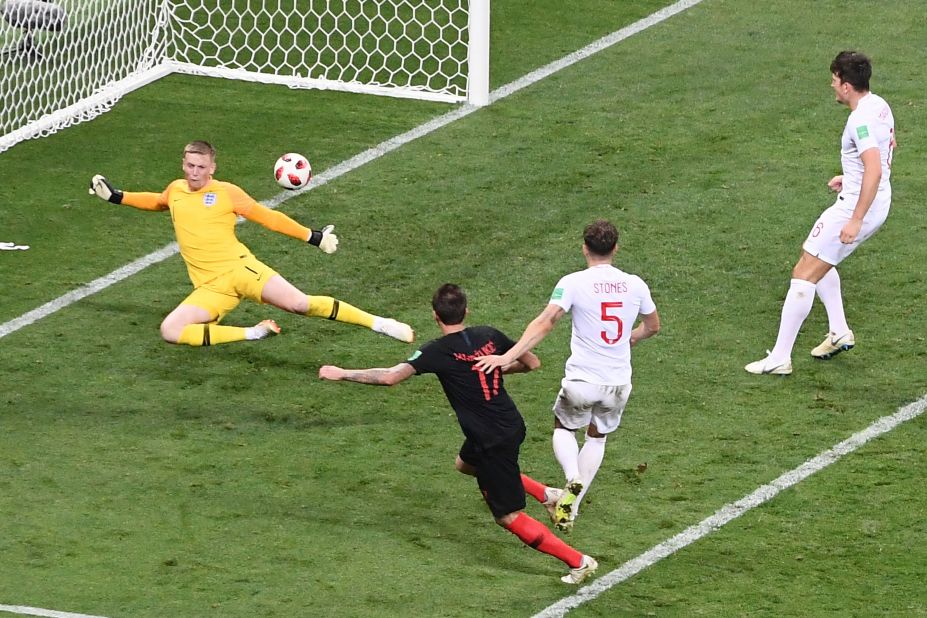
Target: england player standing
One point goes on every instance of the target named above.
(862, 205)
(605, 303)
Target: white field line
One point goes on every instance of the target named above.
(355, 162)
(732, 511)
(38, 611)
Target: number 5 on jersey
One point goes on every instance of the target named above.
(608, 317)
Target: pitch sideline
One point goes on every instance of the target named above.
(356, 161)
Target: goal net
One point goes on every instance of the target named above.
(67, 61)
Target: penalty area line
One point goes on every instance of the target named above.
(732, 511)
(38, 611)
(355, 162)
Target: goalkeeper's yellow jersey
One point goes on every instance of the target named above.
(204, 222)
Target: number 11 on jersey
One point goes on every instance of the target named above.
(489, 390)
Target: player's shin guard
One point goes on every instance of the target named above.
(535, 534)
(566, 450)
(210, 334)
(795, 309)
(828, 289)
(590, 460)
(334, 309)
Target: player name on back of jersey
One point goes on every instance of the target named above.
(488, 348)
(609, 287)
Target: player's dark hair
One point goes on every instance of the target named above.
(601, 237)
(200, 147)
(450, 304)
(854, 68)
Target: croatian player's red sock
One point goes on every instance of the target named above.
(533, 488)
(535, 534)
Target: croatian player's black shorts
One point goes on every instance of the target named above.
(498, 474)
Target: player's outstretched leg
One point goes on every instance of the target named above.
(213, 334)
(334, 309)
(535, 534)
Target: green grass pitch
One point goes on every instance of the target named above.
(139, 479)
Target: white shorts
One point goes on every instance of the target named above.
(579, 403)
(823, 241)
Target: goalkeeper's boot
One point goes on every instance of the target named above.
(262, 330)
(765, 367)
(586, 568)
(565, 510)
(552, 496)
(395, 329)
(834, 345)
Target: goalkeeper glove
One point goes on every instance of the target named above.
(101, 187)
(325, 239)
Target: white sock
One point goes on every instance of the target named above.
(795, 309)
(828, 289)
(566, 450)
(590, 459)
(260, 330)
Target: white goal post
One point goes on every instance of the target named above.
(67, 61)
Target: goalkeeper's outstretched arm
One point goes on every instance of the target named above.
(104, 189)
(325, 239)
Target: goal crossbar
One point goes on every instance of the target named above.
(56, 74)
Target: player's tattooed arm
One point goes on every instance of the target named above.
(367, 376)
(375, 375)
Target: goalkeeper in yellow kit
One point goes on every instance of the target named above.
(222, 269)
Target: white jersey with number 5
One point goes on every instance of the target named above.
(605, 303)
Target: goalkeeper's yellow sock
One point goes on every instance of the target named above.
(213, 334)
(334, 309)
(210, 334)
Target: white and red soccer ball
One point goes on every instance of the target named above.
(292, 171)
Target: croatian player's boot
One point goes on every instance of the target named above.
(262, 330)
(552, 496)
(564, 511)
(834, 345)
(395, 329)
(580, 573)
(765, 367)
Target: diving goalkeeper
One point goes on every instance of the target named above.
(222, 269)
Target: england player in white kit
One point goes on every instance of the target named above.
(863, 201)
(605, 303)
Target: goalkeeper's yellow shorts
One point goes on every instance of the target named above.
(222, 294)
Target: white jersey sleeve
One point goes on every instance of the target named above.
(604, 303)
(870, 125)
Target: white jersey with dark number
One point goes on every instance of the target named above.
(870, 125)
(604, 302)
